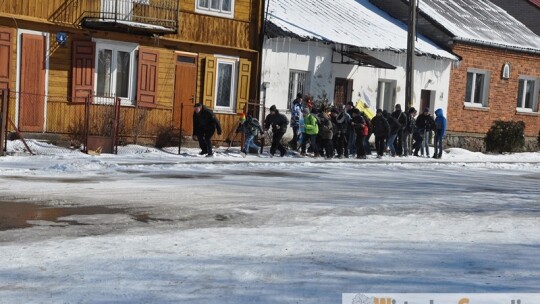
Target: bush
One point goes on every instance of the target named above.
(166, 137)
(505, 136)
(538, 140)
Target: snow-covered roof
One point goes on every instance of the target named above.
(351, 22)
(480, 21)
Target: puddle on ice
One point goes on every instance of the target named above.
(17, 215)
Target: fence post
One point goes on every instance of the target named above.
(116, 124)
(86, 122)
(3, 120)
(181, 127)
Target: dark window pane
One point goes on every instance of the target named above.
(203, 3)
(214, 4)
(224, 85)
(226, 5)
(529, 92)
(104, 73)
(185, 59)
(479, 88)
(520, 93)
(468, 93)
(122, 74)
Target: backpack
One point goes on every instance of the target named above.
(255, 126)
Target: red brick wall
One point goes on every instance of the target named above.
(502, 92)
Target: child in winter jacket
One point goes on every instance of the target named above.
(312, 129)
(251, 129)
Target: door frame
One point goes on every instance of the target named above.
(197, 68)
(46, 35)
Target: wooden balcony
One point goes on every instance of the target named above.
(134, 16)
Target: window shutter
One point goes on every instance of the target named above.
(209, 81)
(244, 74)
(6, 42)
(82, 73)
(147, 77)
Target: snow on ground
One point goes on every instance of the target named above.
(268, 230)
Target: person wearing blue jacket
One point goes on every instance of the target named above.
(440, 132)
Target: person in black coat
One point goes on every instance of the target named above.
(395, 126)
(401, 117)
(381, 129)
(360, 127)
(205, 124)
(425, 124)
(279, 123)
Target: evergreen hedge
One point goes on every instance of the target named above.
(505, 136)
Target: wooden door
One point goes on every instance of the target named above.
(343, 91)
(185, 88)
(6, 38)
(425, 101)
(32, 83)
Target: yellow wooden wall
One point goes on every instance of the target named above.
(210, 35)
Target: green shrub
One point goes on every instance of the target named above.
(538, 140)
(505, 136)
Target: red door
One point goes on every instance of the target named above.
(184, 91)
(32, 83)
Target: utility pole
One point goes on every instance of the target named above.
(411, 39)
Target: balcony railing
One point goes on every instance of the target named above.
(134, 16)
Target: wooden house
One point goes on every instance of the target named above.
(157, 57)
(498, 76)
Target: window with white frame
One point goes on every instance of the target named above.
(386, 95)
(298, 83)
(216, 7)
(226, 84)
(527, 94)
(115, 73)
(477, 91)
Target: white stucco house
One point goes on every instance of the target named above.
(347, 50)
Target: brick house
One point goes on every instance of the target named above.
(498, 76)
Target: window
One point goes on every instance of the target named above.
(216, 7)
(527, 100)
(298, 83)
(386, 95)
(225, 84)
(477, 91)
(115, 71)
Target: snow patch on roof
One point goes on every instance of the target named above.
(351, 22)
(481, 21)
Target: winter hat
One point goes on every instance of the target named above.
(242, 117)
(350, 103)
(273, 108)
(398, 106)
(379, 111)
(306, 111)
(426, 109)
(197, 105)
(412, 110)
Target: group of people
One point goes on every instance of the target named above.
(333, 131)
